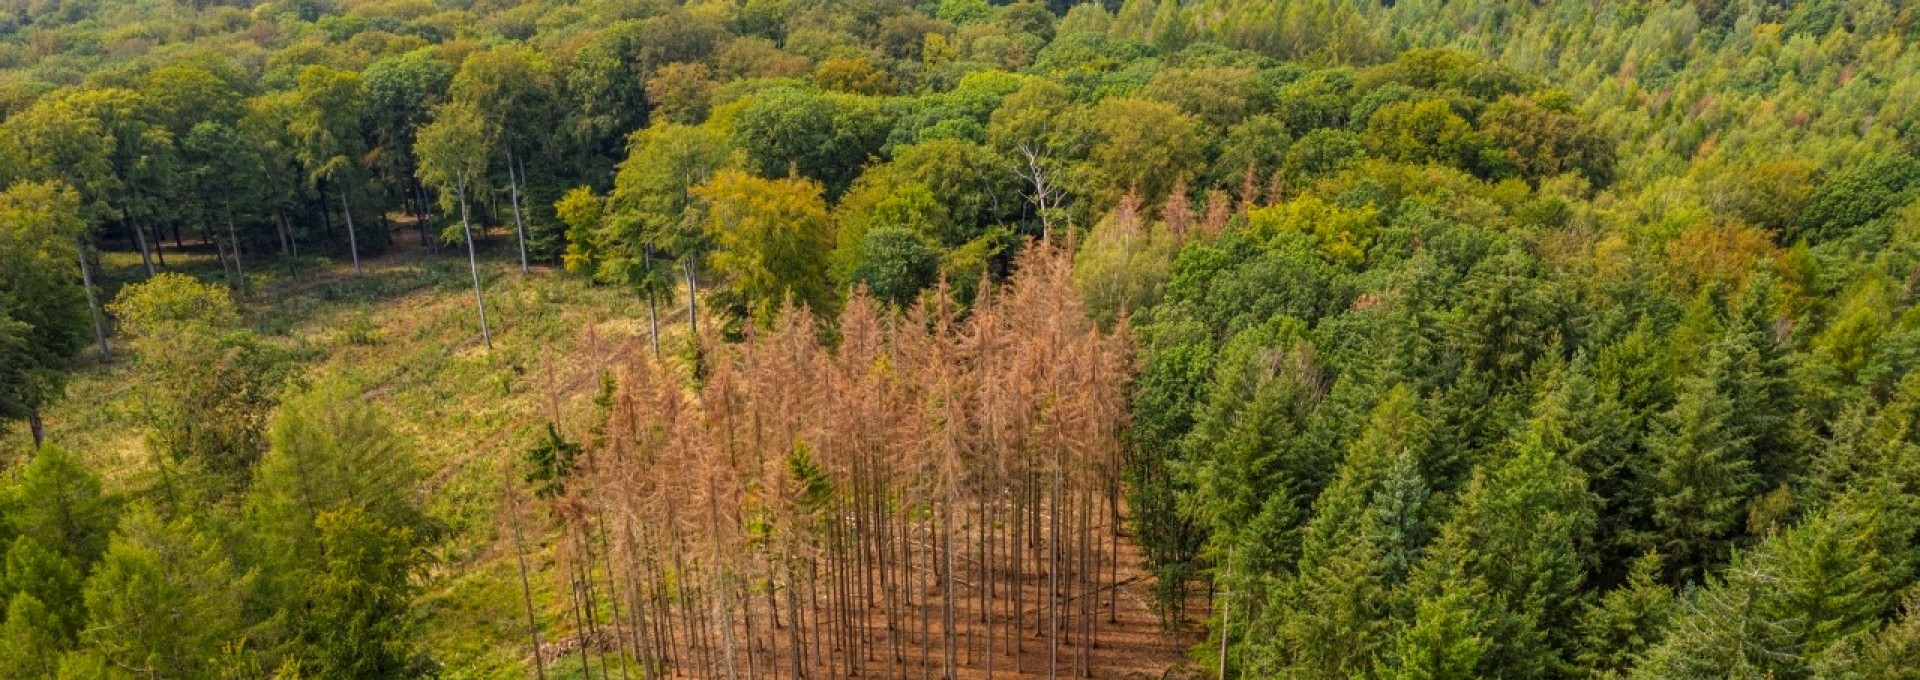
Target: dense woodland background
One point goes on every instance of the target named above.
(1414, 339)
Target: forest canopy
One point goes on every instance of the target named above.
(1417, 339)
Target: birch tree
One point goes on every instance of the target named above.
(453, 159)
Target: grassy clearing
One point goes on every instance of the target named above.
(406, 331)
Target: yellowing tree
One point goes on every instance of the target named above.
(773, 240)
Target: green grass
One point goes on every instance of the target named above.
(407, 332)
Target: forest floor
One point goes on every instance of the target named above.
(406, 331)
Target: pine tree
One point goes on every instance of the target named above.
(1525, 528)
(357, 619)
(1626, 621)
(59, 505)
(1780, 606)
(30, 640)
(1697, 474)
(1760, 390)
(1453, 622)
(165, 599)
(53, 582)
(1332, 620)
(1893, 653)
(1335, 617)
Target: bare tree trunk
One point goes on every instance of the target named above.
(140, 236)
(1226, 612)
(233, 236)
(426, 219)
(693, 288)
(220, 253)
(519, 226)
(473, 265)
(526, 587)
(289, 244)
(38, 427)
(353, 241)
(93, 301)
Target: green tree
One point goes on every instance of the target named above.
(681, 93)
(1862, 193)
(895, 265)
(54, 582)
(507, 88)
(1124, 263)
(826, 137)
(1335, 619)
(340, 533)
(58, 505)
(649, 216)
(774, 241)
(1453, 628)
(1423, 132)
(30, 640)
(1624, 622)
(453, 158)
(43, 318)
(325, 127)
(358, 619)
(1698, 473)
(165, 599)
(1139, 145)
(223, 179)
(209, 382)
(401, 91)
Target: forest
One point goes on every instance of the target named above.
(1314, 339)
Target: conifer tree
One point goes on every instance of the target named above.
(1453, 626)
(53, 581)
(1626, 621)
(31, 640)
(58, 504)
(164, 600)
(1697, 474)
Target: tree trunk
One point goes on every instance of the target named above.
(653, 304)
(693, 287)
(1226, 612)
(99, 320)
(233, 237)
(653, 323)
(519, 226)
(473, 265)
(526, 587)
(220, 253)
(38, 427)
(140, 236)
(159, 247)
(426, 219)
(290, 245)
(353, 241)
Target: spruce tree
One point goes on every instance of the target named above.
(1615, 630)
(1452, 623)
(1332, 620)
(1697, 474)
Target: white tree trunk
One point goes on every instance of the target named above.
(519, 226)
(693, 288)
(233, 236)
(99, 321)
(353, 243)
(146, 256)
(473, 265)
